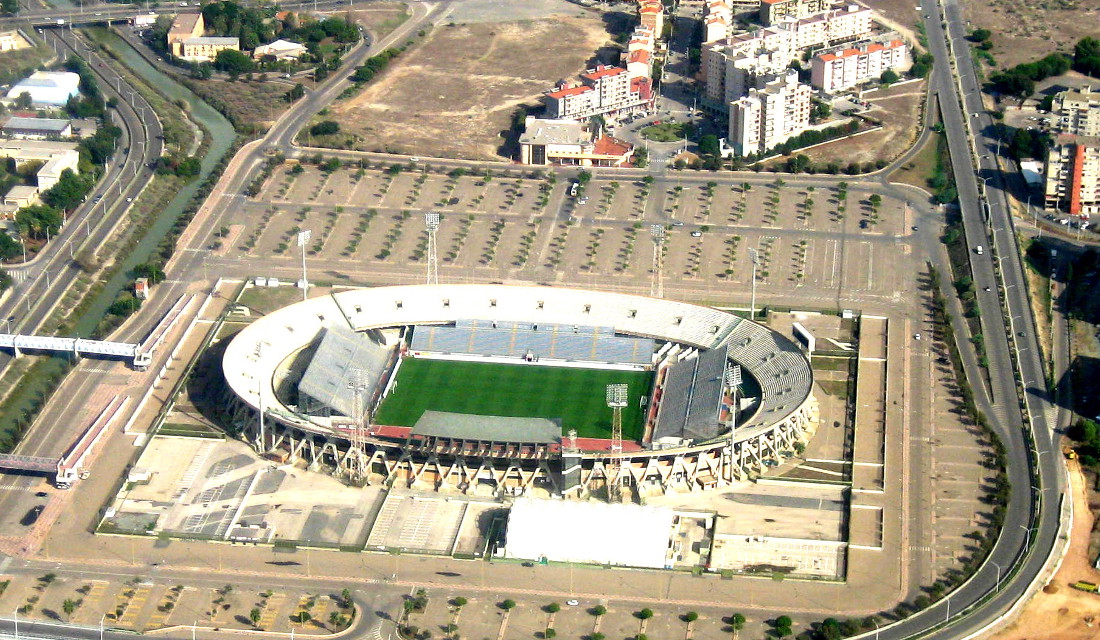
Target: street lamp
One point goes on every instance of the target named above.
(998, 585)
(755, 261)
(1027, 540)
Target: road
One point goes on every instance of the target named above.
(41, 283)
(1000, 402)
(112, 12)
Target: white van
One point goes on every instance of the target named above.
(979, 250)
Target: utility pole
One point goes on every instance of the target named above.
(431, 222)
(303, 239)
(658, 287)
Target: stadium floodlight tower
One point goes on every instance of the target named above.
(616, 400)
(355, 462)
(303, 240)
(755, 257)
(431, 222)
(658, 288)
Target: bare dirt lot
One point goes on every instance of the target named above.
(453, 95)
(898, 108)
(1026, 31)
(1066, 614)
(380, 18)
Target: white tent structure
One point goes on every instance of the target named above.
(589, 532)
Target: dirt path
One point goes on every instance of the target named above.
(1066, 614)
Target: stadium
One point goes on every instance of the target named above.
(519, 390)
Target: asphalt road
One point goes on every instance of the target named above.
(41, 283)
(1001, 401)
(90, 13)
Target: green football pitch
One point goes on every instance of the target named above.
(576, 396)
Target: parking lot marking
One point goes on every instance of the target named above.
(271, 609)
(91, 600)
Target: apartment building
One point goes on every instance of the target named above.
(773, 11)
(605, 91)
(205, 49)
(55, 156)
(1072, 169)
(651, 15)
(843, 68)
(770, 115)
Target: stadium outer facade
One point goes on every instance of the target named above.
(257, 361)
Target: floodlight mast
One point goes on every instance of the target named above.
(303, 239)
(260, 398)
(431, 222)
(658, 287)
(616, 400)
(755, 257)
(355, 459)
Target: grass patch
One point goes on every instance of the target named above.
(667, 131)
(827, 363)
(838, 388)
(916, 171)
(575, 396)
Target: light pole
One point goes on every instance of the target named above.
(876, 626)
(754, 256)
(101, 618)
(16, 618)
(303, 238)
(998, 585)
(1027, 540)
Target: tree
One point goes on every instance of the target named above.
(295, 92)
(345, 595)
(553, 607)
(708, 145)
(979, 35)
(459, 601)
(233, 62)
(550, 632)
(9, 247)
(830, 629)
(10, 7)
(598, 610)
(69, 191)
(5, 280)
(334, 619)
(1086, 56)
(644, 614)
(820, 110)
(324, 128)
(68, 606)
(737, 621)
(888, 77)
(24, 100)
(508, 604)
(303, 617)
(691, 616)
(255, 616)
(38, 221)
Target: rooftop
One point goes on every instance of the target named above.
(603, 72)
(185, 23)
(608, 146)
(539, 131)
(56, 125)
(213, 40)
(568, 91)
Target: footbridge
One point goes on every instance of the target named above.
(76, 346)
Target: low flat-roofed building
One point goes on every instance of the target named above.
(12, 41)
(57, 156)
(37, 128)
(280, 50)
(205, 49)
(569, 142)
(21, 195)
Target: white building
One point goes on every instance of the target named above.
(280, 49)
(37, 128)
(47, 88)
(606, 91)
(1073, 161)
(624, 535)
(847, 67)
(57, 156)
(12, 41)
(570, 143)
(770, 115)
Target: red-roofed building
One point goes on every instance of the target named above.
(652, 15)
(606, 90)
(847, 67)
(570, 143)
(638, 64)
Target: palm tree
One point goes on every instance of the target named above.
(68, 607)
(255, 616)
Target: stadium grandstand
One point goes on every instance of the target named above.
(456, 385)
